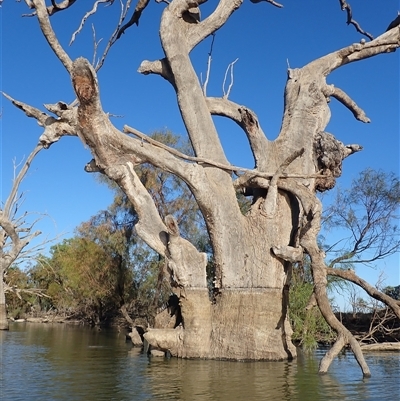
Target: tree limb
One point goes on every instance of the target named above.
(308, 240)
(29, 110)
(198, 32)
(346, 7)
(270, 203)
(350, 275)
(49, 34)
(274, 3)
(140, 6)
(345, 99)
(248, 121)
(385, 43)
(11, 200)
(158, 67)
(85, 17)
(54, 8)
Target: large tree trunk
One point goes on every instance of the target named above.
(248, 318)
(253, 255)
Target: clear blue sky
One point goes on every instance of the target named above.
(262, 37)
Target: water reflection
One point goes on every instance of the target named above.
(60, 362)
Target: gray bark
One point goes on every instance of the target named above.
(253, 254)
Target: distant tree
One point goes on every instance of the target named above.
(84, 279)
(16, 233)
(18, 300)
(393, 292)
(367, 214)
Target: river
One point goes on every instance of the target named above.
(64, 362)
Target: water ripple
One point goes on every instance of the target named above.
(59, 362)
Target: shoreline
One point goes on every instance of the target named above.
(385, 346)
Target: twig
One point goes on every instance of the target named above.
(17, 181)
(86, 16)
(230, 67)
(346, 7)
(208, 65)
(140, 6)
(114, 36)
(95, 45)
(345, 99)
(274, 3)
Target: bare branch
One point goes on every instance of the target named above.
(114, 36)
(175, 152)
(29, 110)
(288, 253)
(208, 65)
(270, 203)
(54, 128)
(346, 7)
(18, 291)
(201, 160)
(230, 67)
(198, 32)
(274, 3)
(61, 6)
(17, 182)
(350, 275)
(95, 45)
(86, 16)
(308, 240)
(49, 34)
(158, 67)
(385, 43)
(150, 226)
(248, 121)
(345, 99)
(140, 6)
(54, 8)
(394, 23)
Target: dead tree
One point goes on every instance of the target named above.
(15, 235)
(253, 253)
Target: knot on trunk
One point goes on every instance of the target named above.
(84, 81)
(172, 226)
(329, 153)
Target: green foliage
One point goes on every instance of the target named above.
(80, 277)
(309, 326)
(368, 214)
(393, 292)
(18, 306)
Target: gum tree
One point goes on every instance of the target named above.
(253, 253)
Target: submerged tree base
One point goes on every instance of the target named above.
(246, 325)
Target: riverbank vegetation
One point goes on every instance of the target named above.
(106, 275)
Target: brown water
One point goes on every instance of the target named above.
(62, 362)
